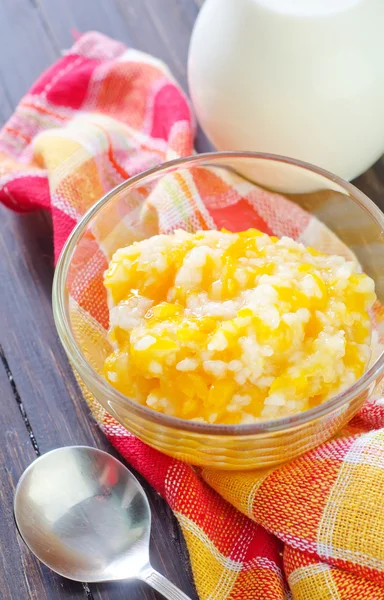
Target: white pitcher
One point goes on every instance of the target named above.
(301, 78)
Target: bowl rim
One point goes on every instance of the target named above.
(86, 371)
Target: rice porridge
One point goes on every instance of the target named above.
(234, 328)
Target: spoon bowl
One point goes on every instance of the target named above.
(86, 517)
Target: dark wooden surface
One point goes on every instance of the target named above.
(41, 407)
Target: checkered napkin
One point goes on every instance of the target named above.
(311, 529)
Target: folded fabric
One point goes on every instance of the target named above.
(312, 528)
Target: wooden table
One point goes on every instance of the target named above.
(41, 407)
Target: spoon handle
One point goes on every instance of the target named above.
(161, 584)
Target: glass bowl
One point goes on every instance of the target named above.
(80, 305)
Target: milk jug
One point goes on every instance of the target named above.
(300, 78)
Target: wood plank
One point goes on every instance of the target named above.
(64, 18)
(26, 49)
(58, 415)
(6, 105)
(21, 574)
(372, 183)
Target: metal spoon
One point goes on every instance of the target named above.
(86, 517)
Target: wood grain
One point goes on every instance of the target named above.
(26, 48)
(21, 574)
(372, 183)
(41, 406)
(34, 32)
(56, 412)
